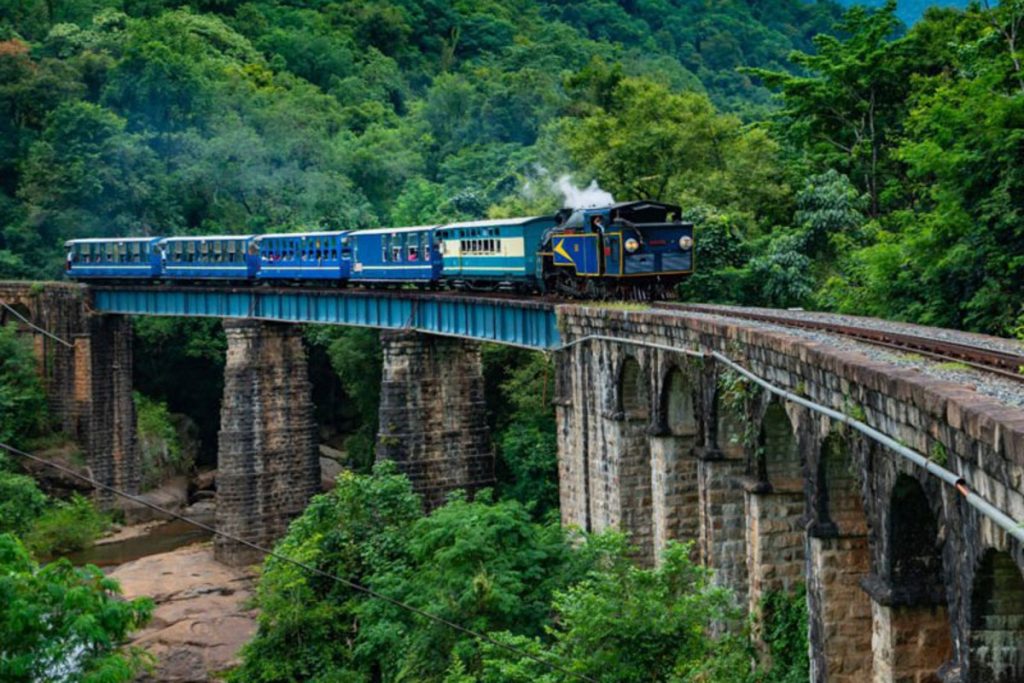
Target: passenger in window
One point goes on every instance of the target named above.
(413, 255)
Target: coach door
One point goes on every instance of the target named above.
(612, 254)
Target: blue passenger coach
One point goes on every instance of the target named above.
(305, 256)
(113, 258)
(490, 252)
(228, 257)
(395, 255)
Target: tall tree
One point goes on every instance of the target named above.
(846, 112)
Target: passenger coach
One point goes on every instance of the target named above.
(113, 258)
(305, 256)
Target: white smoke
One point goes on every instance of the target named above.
(585, 198)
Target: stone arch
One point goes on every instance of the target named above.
(731, 423)
(634, 399)
(839, 505)
(778, 457)
(997, 621)
(7, 315)
(678, 414)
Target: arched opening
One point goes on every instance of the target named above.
(634, 397)
(912, 632)
(997, 621)
(16, 314)
(635, 471)
(916, 559)
(839, 502)
(778, 453)
(731, 428)
(677, 405)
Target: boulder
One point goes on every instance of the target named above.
(202, 617)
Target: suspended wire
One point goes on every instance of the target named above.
(302, 565)
(28, 322)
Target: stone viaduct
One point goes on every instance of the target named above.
(904, 580)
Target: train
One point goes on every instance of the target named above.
(627, 250)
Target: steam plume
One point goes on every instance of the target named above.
(577, 198)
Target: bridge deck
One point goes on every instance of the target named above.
(512, 321)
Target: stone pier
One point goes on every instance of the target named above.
(267, 462)
(104, 406)
(433, 420)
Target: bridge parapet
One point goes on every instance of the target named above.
(883, 547)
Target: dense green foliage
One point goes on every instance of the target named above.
(179, 362)
(22, 402)
(144, 117)
(519, 388)
(62, 623)
(159, 446)
(21, 502)
(482, 565)
(784, 633)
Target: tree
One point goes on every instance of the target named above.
(651, 143)
(626, 624)
(846, 113)
(58, 621)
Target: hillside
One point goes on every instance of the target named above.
(130, 116)
(909, 11)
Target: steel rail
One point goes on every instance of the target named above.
(1002, 363)
(1012, 527)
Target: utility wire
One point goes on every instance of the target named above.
(28, 322)
(313, 570)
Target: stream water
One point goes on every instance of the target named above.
(159, 539)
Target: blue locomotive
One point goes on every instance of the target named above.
(634, 250)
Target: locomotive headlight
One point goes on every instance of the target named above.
(632, 245)
(685, 242)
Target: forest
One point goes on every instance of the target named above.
(835, 158)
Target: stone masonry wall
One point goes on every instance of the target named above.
(433, 421)
(268, 466)
(983, 441)
(62, 310)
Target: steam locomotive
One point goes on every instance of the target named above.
(629, 250)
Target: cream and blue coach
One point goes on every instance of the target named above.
(498, 253)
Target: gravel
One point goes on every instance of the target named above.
(956, 336)
(1004, 390)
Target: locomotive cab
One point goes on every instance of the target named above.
(637, 250)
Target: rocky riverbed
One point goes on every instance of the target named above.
(202, 617)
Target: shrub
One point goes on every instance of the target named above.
(66, 527)
(21, 502)
(785, 633)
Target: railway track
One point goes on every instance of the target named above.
(1003, 363)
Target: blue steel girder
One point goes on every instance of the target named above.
(516, 322)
